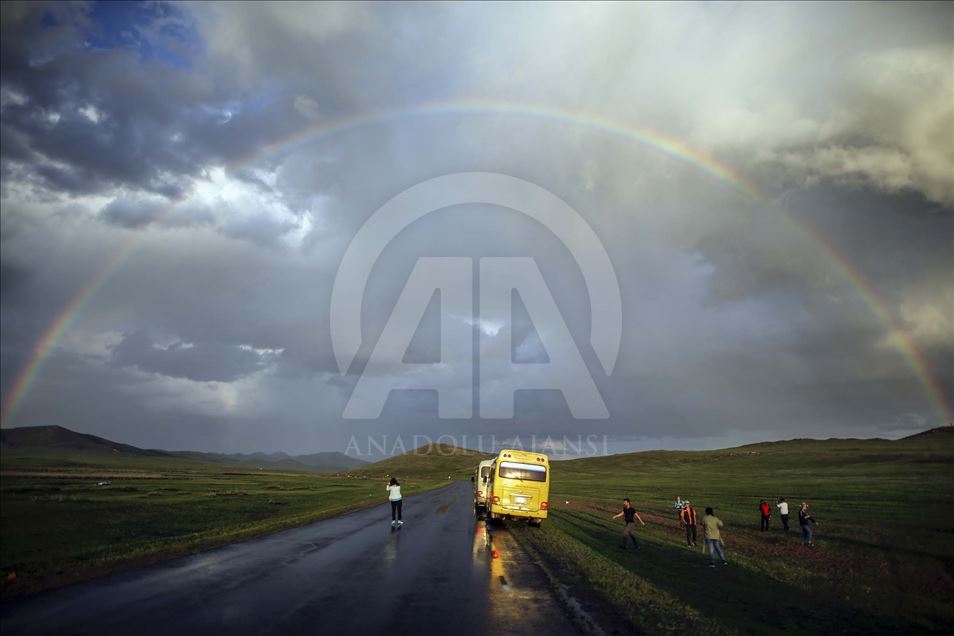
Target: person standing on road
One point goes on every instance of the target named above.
(783, 512)
(394, 496)
(689, 520)
(764, 511)
(804, 519)
(629, 515)
(711, 525)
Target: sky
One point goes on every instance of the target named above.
(773, 185)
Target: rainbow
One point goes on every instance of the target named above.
(643, 136)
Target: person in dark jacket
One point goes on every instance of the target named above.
(688, 516)
(764, 512)
(806, 521)
(629, 515)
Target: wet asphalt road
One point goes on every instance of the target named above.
(351, 574)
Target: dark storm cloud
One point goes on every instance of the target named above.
(12, 276)
(49, 76)
(85, 118)
(205, 362)
(737, 325)
(135, 212)
(107, 400)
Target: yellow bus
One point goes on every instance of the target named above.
(481, 483)
(519, 486)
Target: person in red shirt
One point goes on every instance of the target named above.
(765, 510)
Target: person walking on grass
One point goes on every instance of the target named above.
(689, 520)
(711, 525)
(764, 512)
(629, 515)
(782, 506)
(806, 521)
(394, 496)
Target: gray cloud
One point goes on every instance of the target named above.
(738, 324)
(136, 212)
(205, 362)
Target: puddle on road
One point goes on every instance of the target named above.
(391, 549)
(515, 584)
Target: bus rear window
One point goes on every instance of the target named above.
(485, 471)
(527, 472)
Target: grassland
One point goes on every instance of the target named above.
(59, 526)
(432, 461)
(884, 558)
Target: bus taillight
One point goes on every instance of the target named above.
(544, 505)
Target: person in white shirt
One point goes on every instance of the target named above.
(394, 496)
(783, 512)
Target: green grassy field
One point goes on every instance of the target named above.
(884, 558)
(884, 555)
(434, 461)
(59, 526)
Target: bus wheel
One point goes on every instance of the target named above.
(535, 522)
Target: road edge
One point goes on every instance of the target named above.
(198, 546)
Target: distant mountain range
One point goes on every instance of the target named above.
(48, 439)
(430, 460)
(328, 461)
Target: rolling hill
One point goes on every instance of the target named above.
(47, 439)
(430, 460)
(933, 432)
(792, 461)
(327, 461)
(57, 440)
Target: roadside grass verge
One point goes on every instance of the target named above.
(60, 529)
(771, 583)
(884, 555)
(634, 601)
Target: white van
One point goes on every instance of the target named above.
(481, 484)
